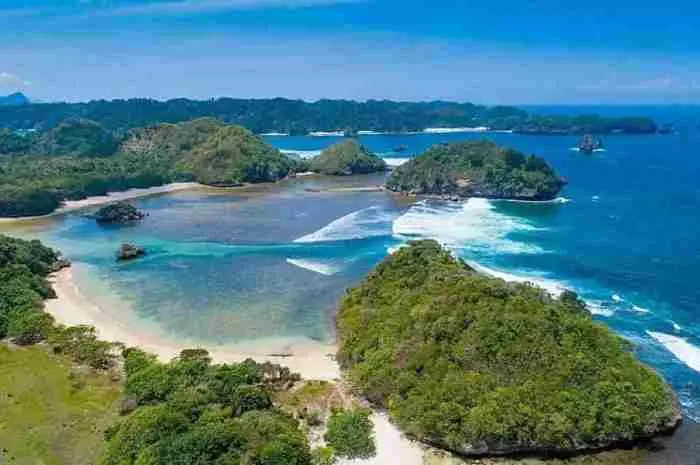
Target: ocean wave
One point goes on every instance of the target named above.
(326, 269)
(617, 298)
(473, 225)
(638, 309)
(576, 149)
(327, 134)
(680, 348)
(555, 288)
(301, 153)
(455, 130)
(557, 200)
(394, 162)
(368, 222)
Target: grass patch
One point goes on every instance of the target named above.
(51, 413)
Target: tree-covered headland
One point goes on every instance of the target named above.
(477, 169)
(481, 366)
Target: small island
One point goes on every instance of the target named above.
(480, 366)
(346, 158)
(118, 213)
(477, 169)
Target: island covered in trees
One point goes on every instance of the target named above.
(346, 158)
(477, 169)
(299, 117)
(484, 367)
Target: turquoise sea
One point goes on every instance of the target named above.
(625, 234)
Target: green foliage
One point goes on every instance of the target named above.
(299, 117)
(477, 169)
(233, 155)
(190, 411)
(83, 346)
(118, 212)
(350, 433)
(466, 361)
(202, 150)
(24, 266)
(322, 456)
(76, 137)
(345, 158)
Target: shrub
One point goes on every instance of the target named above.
(350, 433)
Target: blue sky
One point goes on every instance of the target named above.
(512, 51)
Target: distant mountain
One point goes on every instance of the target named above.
(14, 100)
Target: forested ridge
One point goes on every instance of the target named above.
(481, 366)
(300, 117)
(80, 158)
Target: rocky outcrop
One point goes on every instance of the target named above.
(476, 169)
(119, 212)
(130, 252)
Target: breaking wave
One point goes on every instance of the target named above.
(368, 222)
(473, 225)
(680, 348)
(326, 269)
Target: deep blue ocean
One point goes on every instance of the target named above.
(624, 234)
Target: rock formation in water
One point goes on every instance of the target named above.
(476, 169)
(130, 252)
(118, 212)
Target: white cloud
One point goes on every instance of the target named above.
(204, 6)
(10, 80)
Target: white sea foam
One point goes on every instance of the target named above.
(276, 134)
(675, 325)
(370, 133)
(536, 202)
(394, 162)
(301, 153)
(327, 133)
(639, 309)
(472, 225)
(598, 308)
(617, 298)
(367, 222)
(454, 130)
(680, 348)
(326, 269)
(555, 288)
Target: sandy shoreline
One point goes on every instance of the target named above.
(74, 205)
(310, 359)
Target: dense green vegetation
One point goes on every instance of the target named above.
(478, 365)
(202, 150)
(118, 212)
(233, 155)
(477, 169)
(52, 412)
(345, 158)
(299, 117)
(189, 411)
(350, 433)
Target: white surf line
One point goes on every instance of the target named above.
(680, 348)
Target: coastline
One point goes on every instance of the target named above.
(75, 205)
(312, 360)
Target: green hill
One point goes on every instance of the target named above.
(345, 158)
(477, 169)
(77, 159)
(480, 366)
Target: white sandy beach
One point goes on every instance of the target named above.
(74, 205)
(311, 360)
